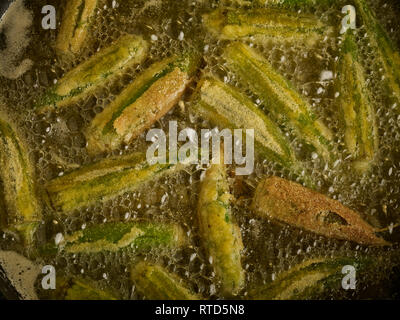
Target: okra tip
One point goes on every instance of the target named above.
(189, 61)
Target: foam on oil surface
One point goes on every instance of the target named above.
(57, 145)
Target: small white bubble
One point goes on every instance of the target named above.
(154, 37)
(181, 36)
(326, 75)
(202, 175)
(212, 289)
(314, 155)
(59, 238)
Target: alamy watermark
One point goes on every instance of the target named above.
(349, 20)
(49, 280)
(349, 280)
(197, 150)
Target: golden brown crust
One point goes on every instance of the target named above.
(298, 206)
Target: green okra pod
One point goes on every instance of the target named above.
(280, 97)
(114, 236)
(263, 24)
(387, 54)
(82, 289)
(221, 235)
(308, 279)
(104, 180)
(105, 65)
(155, 92)
(156, 283)
(361, 131)
(18, 194)
(227, 107)
(75, 25)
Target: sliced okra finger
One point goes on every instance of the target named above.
(75, 25)
(309, 279)
(78, 288)
(104, 180)
(21, 210)
(105, 65)
(156, 283)
(220, 234)
(387, 54)
(114, 236)
(226, 107)
(291, 203)
(155, 92)
(357, 112)
(263, 24)
(280, 97)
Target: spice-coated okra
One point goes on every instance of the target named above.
(291, 203)
(75, 25)
(357, 112)
(142, 103)
(280, 97)
(220, 234)
(105, 65)
(156, 283)
(104, 180)
(263, 24)
(18, 193)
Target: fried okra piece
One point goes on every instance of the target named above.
(291, 203)
(308, 280)
(75, 25)
(387, 54)
(21, 209)
(150, 96)
(156, 283)
(105, 65)
(114, 236)
(357, 112)
(227, 107)
(280, 97)
(264, 24)
(104, 180)
(220, 234)
(78, 288)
